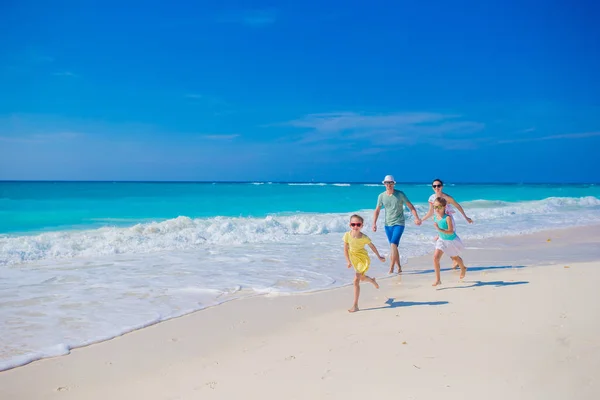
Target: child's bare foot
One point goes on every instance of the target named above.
(437, 283)
(375, 284)
(463, 272)
(353, 309)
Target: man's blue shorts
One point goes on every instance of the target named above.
(394, 233)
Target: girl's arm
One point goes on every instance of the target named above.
(347, 255)
(451, 200)
(372, 246)
(450, 226)
(429, 212)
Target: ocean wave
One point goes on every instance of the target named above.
(184, 233)
(307, 184)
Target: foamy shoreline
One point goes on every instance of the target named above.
(309, 343)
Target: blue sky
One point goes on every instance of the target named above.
(470, 91)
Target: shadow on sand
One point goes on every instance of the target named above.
(488, 283)
(390, 303)
(469, 269)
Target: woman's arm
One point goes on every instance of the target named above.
(451, 200)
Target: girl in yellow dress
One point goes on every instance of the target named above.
(357, 256)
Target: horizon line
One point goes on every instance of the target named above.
(287, 182)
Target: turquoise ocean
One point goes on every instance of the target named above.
(82, 262)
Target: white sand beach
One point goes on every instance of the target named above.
(524, 324)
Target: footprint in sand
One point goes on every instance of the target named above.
(62, 388)
(211, 384)
(290, 358)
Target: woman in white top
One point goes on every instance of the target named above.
(437, 186)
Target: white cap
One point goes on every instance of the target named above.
(388, 178)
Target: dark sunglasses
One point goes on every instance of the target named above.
(355, 223)
(437, 186)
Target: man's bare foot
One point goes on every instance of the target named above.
(437, 283)
(375, 284)
(463, 272)
(353, 309)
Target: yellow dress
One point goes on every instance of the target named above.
(358, 254)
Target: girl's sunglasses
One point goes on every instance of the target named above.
(437, 186)
(355, 223)
(438, 207)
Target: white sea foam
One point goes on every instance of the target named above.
(183, 233)
(60, 290)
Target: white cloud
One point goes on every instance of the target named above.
(553, 137)
(390, 129)
(206, 99)
(41, 137)
(57, 136)
(527, 130)
(337, 122)
(68, 74)
(219, 137)
(253, 18)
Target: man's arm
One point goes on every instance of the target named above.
(414, 212)
(375, 216)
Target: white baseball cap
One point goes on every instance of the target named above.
(388, 178)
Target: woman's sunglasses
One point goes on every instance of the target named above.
(355, 223)
(437, 186)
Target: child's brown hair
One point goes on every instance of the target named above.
(442, 201)
(357, 217)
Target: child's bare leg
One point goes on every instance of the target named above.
(437, 255)
(463, 269)
(356, 293)
(369, 279)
